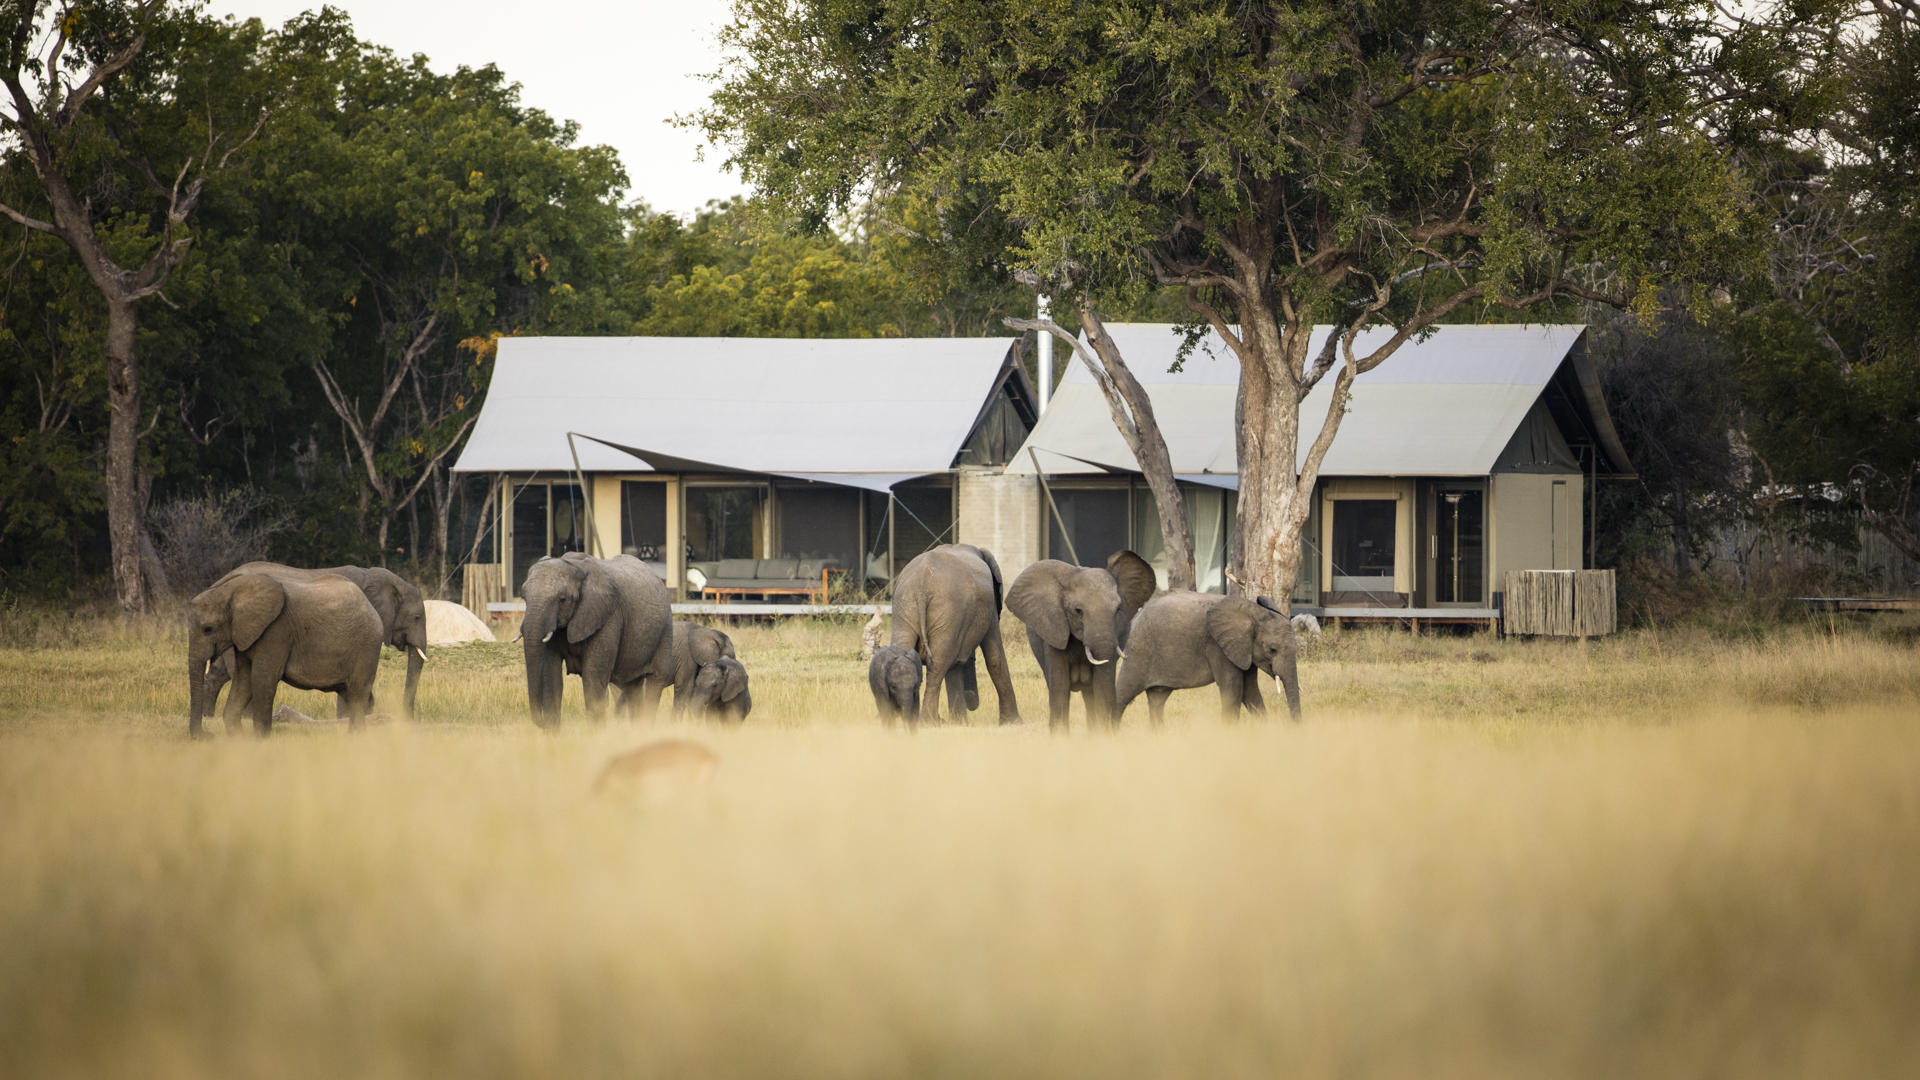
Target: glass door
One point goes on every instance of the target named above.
(1457, 545)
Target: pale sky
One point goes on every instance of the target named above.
(622, 71)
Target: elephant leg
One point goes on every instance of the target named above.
(996, 656)
(1059, 693)
(956, 681)
(970, 681)
(937, 668)
(647, 692)
(1232, 692)
(265, 684)
(596, 672)
(239, 696)
(1157, 704)
(1251, 697)
(219, 673)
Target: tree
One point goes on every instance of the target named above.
(174, 109)
(1349, 162)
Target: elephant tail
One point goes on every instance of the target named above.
(970, 682)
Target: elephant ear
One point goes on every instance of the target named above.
(596, 601)
(256, 600)
(726, 644)
(383, 592)
(1135, 577)
(1230, 625)
(1036, 598)
(735, 684)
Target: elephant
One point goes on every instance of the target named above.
(402, 611)
(894, 677)
(694, 647)
(608, 620)
(1186, 639)
(720, 691)
(946, 604)
(315, 633)
(1078, 618)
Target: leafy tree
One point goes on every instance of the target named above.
(1352, 162)
(173, 100)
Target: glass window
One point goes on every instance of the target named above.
(722, 522)
(820, 523)
(925, 520)
(1363, 541)
(643, 519)
(1096, 521)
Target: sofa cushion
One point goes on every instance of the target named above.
(733, 568)
(781, 569)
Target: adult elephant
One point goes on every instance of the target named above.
(316, 633)
(946, 605)
(694, 647)
(1078, 619)
(609, 620)
(402, 611)
(1181, 640)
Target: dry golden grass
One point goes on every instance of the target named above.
(1655, 855)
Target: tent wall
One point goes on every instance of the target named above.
(1536, 522)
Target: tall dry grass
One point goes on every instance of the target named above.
(1646, 856)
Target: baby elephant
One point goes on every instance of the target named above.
(720, 690)
(894, 675)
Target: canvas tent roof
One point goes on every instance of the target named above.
(864, 413)
(1446, 406)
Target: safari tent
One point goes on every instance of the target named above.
(1464, 455)
(736, 466)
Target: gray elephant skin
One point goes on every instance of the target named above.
(946, 605)
(314, 634)
(608, 620)
(720, 691)
(694, 647)
(1182, 640)
(1078, 620)
(402, 611)
(894, 677)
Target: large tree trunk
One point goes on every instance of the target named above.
(1272, 511)
(125, 524)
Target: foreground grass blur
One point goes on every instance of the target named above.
(1652, 855)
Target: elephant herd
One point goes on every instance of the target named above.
(1103, 633)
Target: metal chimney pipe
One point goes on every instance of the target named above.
(1044, 311)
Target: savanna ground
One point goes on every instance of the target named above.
(1662, 854)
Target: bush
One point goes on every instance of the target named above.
(199, 538)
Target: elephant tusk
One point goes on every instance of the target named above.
(422, 653)
(1091, 660)
(548, 638)
(1120, 651)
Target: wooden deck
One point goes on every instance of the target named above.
(1413, 617)
(515, 608)
(1861, 603)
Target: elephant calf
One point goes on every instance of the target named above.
(720, 691)
(694, 647)
(894, 676)
(1181, 640)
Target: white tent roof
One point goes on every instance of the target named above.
(865, 412)
(1445, 406)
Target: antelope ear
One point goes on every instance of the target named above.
(1036, 599)
(1230, 625)
(254, 602)
(1135, 577)
(596, 602)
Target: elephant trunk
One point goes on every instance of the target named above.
(416, 659)
(544, 672)
(1102, 645)
(197, 662)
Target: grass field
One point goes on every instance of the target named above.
(1656, 855)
